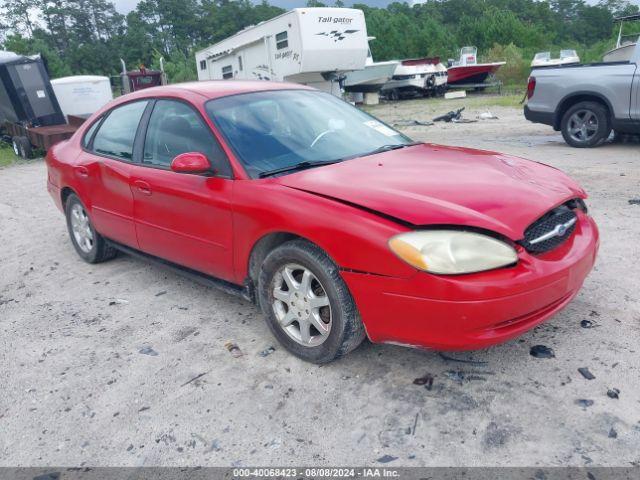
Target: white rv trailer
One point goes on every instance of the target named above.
(312, 46)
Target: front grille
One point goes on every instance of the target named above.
(550, 231)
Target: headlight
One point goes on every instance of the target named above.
(452, 251)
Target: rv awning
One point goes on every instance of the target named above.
(229, 51)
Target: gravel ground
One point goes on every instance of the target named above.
(124, 364)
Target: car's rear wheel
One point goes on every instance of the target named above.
(586, 124)
(89, 244)
(308, 306)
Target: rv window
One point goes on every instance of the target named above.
(203, 64)
(118, 131)
(240, 63)
(281, 40)
(175, 128)
(227, 72)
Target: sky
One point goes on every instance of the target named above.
(125, 6)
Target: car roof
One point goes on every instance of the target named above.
(219, 88)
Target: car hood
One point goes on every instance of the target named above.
(437, 185)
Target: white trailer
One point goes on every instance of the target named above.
(312, 46)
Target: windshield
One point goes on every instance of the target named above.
(282, 128)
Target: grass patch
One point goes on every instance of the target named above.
(7, 157)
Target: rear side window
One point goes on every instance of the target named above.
(176, 128)
(227, 72)
(118, 131)
(86, 140)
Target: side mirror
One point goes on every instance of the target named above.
(191, 162)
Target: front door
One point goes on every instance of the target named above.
(184, 218)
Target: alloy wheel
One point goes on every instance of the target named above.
(583, 126)
(81, 228)
(301, 305)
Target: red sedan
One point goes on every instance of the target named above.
(336, 225)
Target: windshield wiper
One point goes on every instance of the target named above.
(296, 166)
(387, 148)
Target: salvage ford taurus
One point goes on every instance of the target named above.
(336, 225)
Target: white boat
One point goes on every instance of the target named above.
(625, 45)
(567, 57)
(372, 78)
(417, 76)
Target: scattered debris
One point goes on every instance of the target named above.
(461, 360)
(194, 379)
(233, 349)
(455, 94)
(487, 116)
(426, 380)
(583, 402)
(143, 409)
(613, 393)
(118, 301)
(541, 351)
(450, 116)
(587, 324)
(634, 201)
(148, 351)
(412, 123)
(386, 459)
(159, 294)
(613, 433)
(267, 351)
(584, 371)
(415, 422)
(460, 376)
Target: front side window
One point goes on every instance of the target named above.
(203, 64)
(281, 40)
(278, 129)
(227, 72)
(118, 131)
(175, 128)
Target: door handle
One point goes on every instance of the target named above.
(82, 171)
(143, 187)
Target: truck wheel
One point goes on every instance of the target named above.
(22, 147)
(90, 245)
(307, 305)
(585, 125)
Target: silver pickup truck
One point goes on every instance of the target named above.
(586, 102)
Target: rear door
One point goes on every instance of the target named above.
(104, 170)
(184, 218)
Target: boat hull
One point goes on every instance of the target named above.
(371, 79)
(472, 73)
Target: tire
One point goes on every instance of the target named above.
(338, 314)
(394, 94)
(595, 131)
(95, 251)
(22, 147)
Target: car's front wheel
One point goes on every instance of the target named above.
(89, 244)
(308, 306)
(586, 124)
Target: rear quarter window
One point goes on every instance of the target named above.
(118, 131)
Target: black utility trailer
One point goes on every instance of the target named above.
(29, 110)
